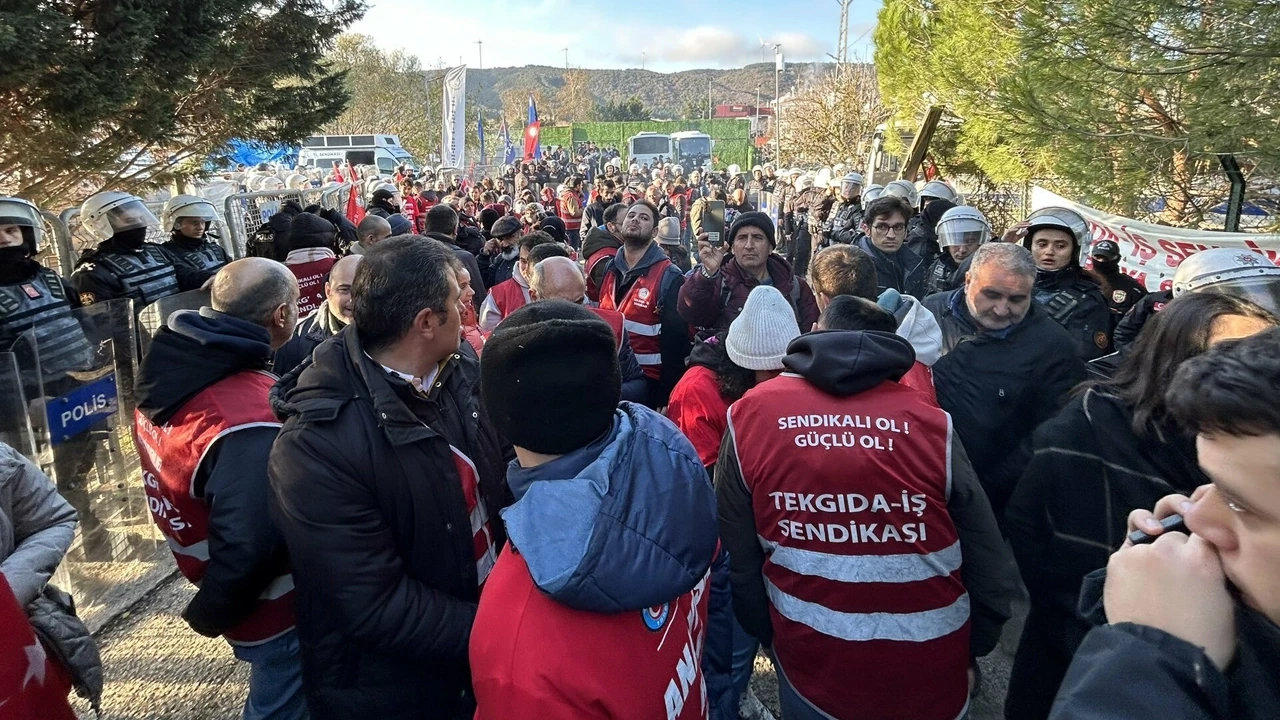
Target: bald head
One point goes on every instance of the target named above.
(372, 229)
(337, 290)
(558, 278)
(260, 291)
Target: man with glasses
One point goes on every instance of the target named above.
(897, 266)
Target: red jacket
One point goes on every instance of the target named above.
(535, 659)
(698, 409)
(862, 560)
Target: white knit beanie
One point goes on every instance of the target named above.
(758, 338)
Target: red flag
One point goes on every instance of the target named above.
(532, 136)
(32, 684)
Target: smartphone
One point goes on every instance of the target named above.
(713, 222)
(1173, 523)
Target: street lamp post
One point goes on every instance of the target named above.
(777, 106)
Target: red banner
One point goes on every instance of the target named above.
(532, 136)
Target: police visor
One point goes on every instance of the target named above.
(130, 216)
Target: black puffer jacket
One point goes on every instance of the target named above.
(999, 386)
(366, 488)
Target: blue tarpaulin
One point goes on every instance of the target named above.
(251, 153)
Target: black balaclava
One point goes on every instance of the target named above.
(130, 239)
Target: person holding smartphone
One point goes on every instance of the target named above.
(1193, 620)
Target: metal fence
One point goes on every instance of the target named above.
(244, 213)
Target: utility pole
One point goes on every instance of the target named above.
(842, 48)
(757, 128)
(777, 105)
(642, 55)
(566, 58)
(710, 107)
(480, 50)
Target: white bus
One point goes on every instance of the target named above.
(647, 147)
(384, 151)
(693, 149)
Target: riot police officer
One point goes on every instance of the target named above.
(846, 217)
(189, 218)
(960, 231)
(33, 296)
(919, 236)
(1121, 291)
(1065, 290)
(124, 265)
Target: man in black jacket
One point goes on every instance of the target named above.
(442, 225)
(1006, 367)
(1194, 619)
(387, 480)
(884, 239)
(204, 429)
(324, 322)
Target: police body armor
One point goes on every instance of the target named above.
(41, 304)
(940, 276)
(845, 217)
(1076, 308)
(147, 275)
(206, 256)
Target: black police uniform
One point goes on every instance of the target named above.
(39, 299)
(942, 275)
(1076, 303)
(144, 275)
(844, 225)
(1121, 291)
(196, 253)
(1134, 320)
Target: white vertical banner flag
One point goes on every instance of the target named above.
(453, 142)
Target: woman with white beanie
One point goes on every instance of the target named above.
(721, 370)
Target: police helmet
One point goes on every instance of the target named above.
(1061, 218)
(634, 169)
(871, 193)
(16, 211)
(110, 212)
(904, 189)
(963, 225)
(297, 181)
(939, 190)
(180, 206)
(851, 185)
(1231, 271)
(734, 170)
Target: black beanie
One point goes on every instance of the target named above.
(756, 219)
(549, 377)
(311, 231)
(554, 227)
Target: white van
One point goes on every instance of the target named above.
(384, 151)
(693, 149)
(647, 147)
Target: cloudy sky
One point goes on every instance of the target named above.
(672, 35)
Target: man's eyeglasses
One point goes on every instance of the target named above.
(882, 228)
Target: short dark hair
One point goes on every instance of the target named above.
(854, 313)
(1172, 337)
(613, 213)
(443, 219)
(399, 278)
(1231, 389)
(884, 206)
(652, 208)
(844, 270)
(546, 250)
(534, 238)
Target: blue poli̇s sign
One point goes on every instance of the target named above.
(78, 410)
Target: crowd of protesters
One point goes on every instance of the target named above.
(543, 447)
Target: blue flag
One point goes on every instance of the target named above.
(480, 132)
(508, 150)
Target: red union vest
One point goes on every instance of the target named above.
(171, 454)
(481, 537)
(602, 255)
(311, 277)
(862, 567)
(615, 320)
(643, 318)
(504, 298)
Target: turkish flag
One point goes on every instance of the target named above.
(32, 684)
(532, 136)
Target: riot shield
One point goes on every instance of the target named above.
(156, 315)
(22, 425)
(88, 412)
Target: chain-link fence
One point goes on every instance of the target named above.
(245, 213)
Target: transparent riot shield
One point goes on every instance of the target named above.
(88, 400)
(22, 424)
(156, 315)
